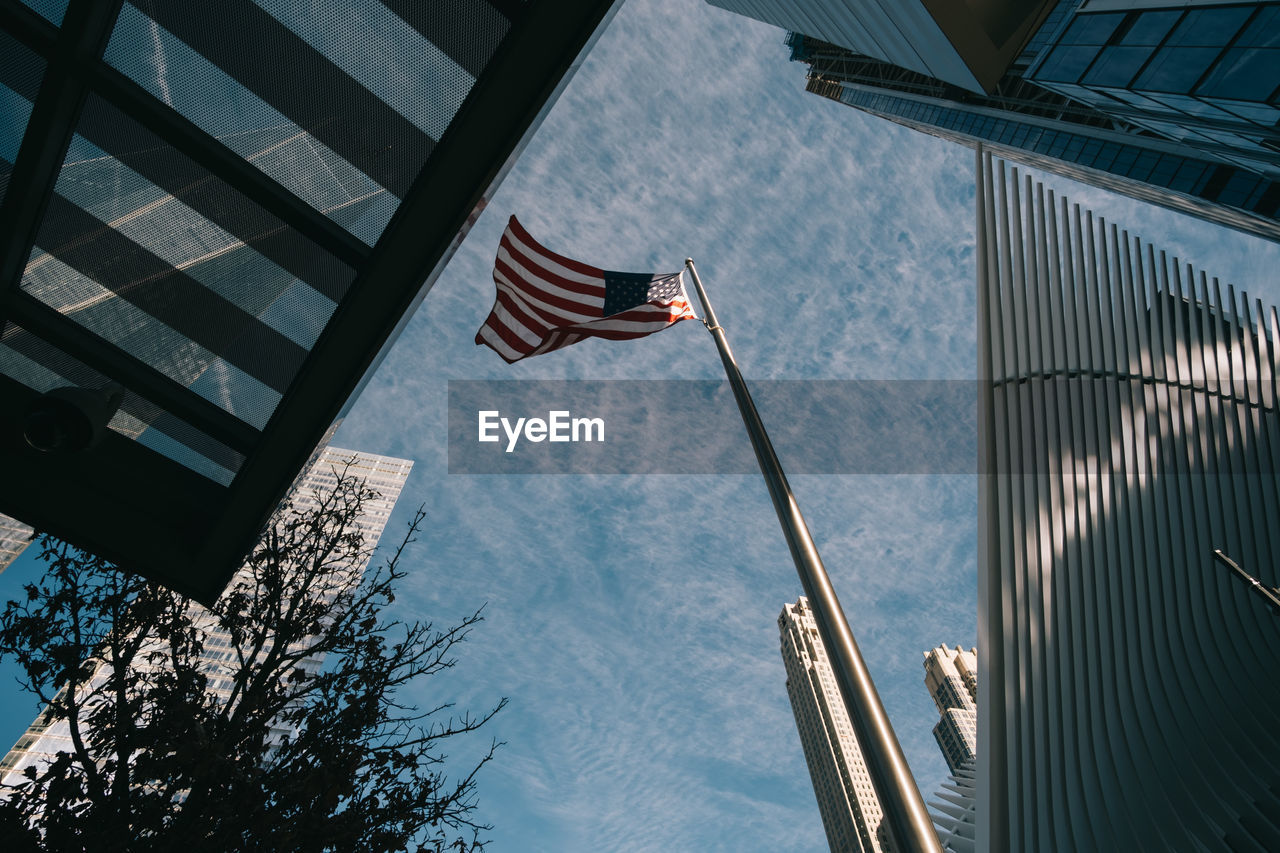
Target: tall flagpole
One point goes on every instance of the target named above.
(899, 797)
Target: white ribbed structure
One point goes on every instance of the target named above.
(954, 812)
(1128, 423)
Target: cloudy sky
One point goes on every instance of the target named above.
(631, 620)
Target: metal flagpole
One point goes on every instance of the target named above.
(1270, 596)
(894, 785)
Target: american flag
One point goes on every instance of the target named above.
(547, 301)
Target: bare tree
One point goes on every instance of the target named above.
(268, 722)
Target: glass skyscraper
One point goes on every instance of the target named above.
(1177, 104)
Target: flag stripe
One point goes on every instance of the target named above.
(509, 318)
(528, 269)
(541, 272)
(517, 232)
(546, 301)
(562, 310)
(492, 338)
(540, 320)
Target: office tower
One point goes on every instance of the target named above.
(1128, 428)
(969, 47)
(1174, 103)
(952, 678)
(228, 209)
(46, 737)
(14, 539)
(847, 801)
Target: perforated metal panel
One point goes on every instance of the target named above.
(19, 78)
(226, 207)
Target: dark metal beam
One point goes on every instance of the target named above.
(169, 295)
(86, 27)
(192, 185)
(524, 75)
(148, 415)
(141, 378)
(188, 139)
(28, 26)
(90, 497)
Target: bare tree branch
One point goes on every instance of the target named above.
(271, 722)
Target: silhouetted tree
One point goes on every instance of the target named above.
(268, 722)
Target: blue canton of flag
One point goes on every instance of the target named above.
(626, 290)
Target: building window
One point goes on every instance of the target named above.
(1148, 28)
(1065, 64)
(1210, 27)
(1176, 69)
(1248, 73)
(1263, 30)
(1095, 29)
(1117, 65)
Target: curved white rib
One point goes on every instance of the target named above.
(1129, 427)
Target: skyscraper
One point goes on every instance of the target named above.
(1128, 427)
(387, 475)
(952, 678)
(14, 538)
(1175, 103)
(969, 47)
(850, 809)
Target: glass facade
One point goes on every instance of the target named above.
(1177, 106)
(224, 209)
(1185, 173)
(1208, 76)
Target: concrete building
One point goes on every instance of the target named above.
(46, 737)
(952, 678)
(847, 801)
(1128, 427)
(14, 539)
(1175, 103)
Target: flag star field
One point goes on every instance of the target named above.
(625, 290)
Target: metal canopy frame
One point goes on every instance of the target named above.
(134, 505)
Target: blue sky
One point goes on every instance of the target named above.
(631, 619)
